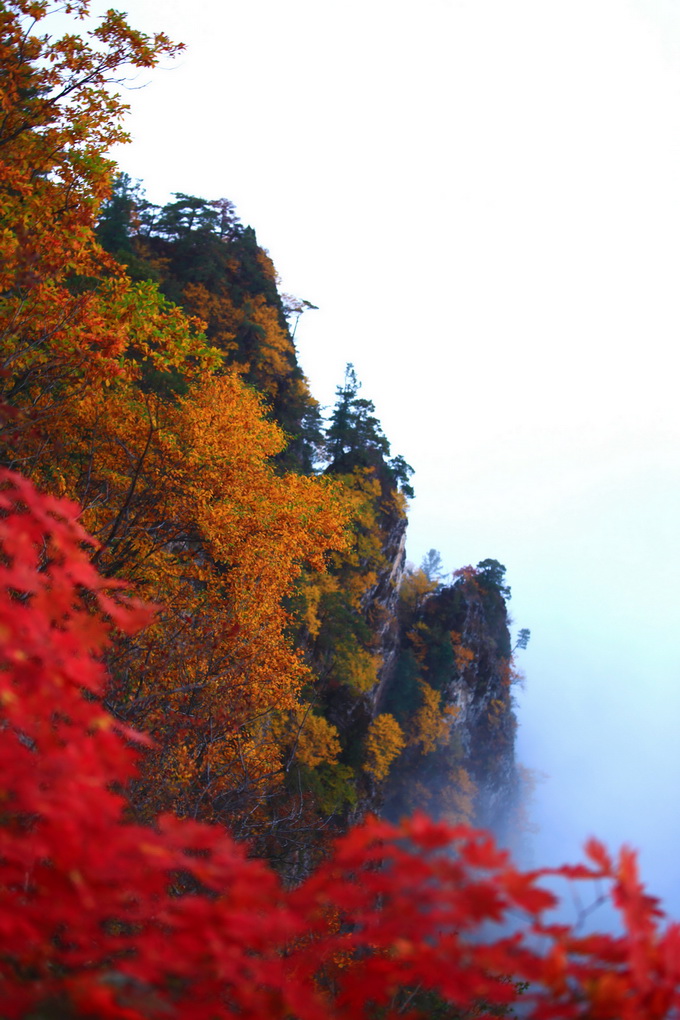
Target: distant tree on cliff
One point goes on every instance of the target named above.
(491, 574)
(431, 565)
(522, 638)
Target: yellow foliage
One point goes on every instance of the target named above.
(356, 667)
(317, 739)
(429, 726)
(310, 738)
(458, 798)
(415, 586)
(312, 590)
(384, 742)
(497, 709)
(359, 563)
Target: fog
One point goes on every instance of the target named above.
(482, 198)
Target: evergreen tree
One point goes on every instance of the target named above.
(492, 575)
(114, 225)
(355, 434)
(355, 437)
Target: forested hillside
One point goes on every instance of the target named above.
(149, 373)
(294, 673)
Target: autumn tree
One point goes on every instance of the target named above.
(415, 586)
(114, 396)
(346, 617)
(61, 114)
(384, 741)
(429, 727)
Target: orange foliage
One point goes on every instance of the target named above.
(215, 309)
(60, 116)
(464, 656)
(220, 538)
(418, 638)
(275, 352)
(115, 397)
(512, 674)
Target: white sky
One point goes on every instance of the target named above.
(482, 197)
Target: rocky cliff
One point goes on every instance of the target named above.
(450, 689)
(404, 698)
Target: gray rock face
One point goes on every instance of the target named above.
(485, 722)
(381, 603)
(496, 777)
(463, 651)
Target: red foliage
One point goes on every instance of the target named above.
(100, 917)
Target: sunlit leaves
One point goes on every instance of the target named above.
(430, 725)
(384, 741)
